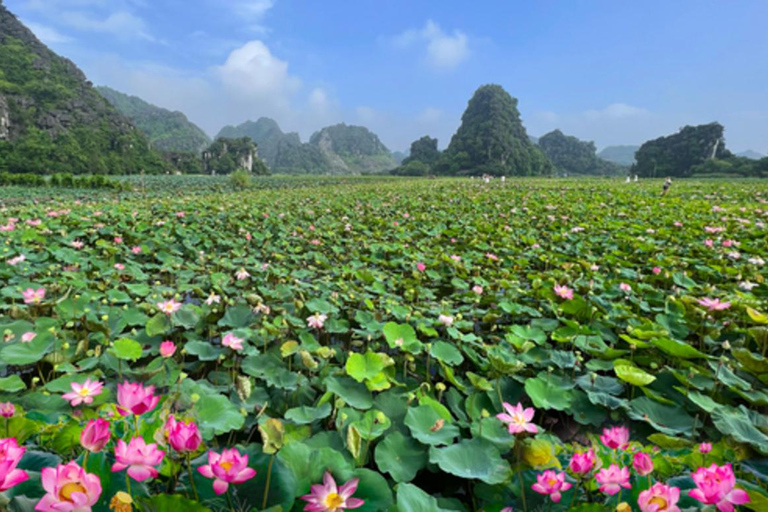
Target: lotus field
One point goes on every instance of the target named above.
(393, 345)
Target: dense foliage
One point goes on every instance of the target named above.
(57, 121)
(675, 155)
(59, 180)
(166, 130)
(573, 156)
(374, 331)
(225, 156)
(421, 158)
(492, 139)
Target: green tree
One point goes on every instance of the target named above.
(573, 156)
(677, 154)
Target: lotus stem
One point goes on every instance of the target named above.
(266, 485)
(229, 500)
(192, 476)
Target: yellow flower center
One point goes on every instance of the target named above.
(67, 490)
(551, 482)
(226, 465)
(121, 502)
(333, 501)
(84, 392)
(658, 500)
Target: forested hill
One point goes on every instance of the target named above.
(576, 157)
(166, 130)
(53, 120)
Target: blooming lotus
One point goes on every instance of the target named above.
(134, 398)
(625, 287)
(551, 483)
(715, 485)
(68, 489)
(477, 289)
(167, 348)
(612, 479)
(213, 299)
(7, 409)
(95, 435)
(705, 448)
(28, 336)
(32, 296)
(714, 304)
(316, 321)
(659, 498)
(582, 463)
(10, 456)
(16, 260)
(446, 320)
(183, 437)
(242, 274)
(329, 498)
(83, 393)
(232, 341)
(139, 457)
(656, 270)
(615, 438)
(642, 464)
(229, 467)
(421, 267)
(518, 420)
(136, 249)
(169, 307)
(563, 292)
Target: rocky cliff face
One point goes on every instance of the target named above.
(5, 119)
(225, 156)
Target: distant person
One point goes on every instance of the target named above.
(667, 184)
(635, 178)
(629, 179)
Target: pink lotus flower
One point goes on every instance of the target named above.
(119, 266)
(642, 463)
(16, 260)
(242, 274)
(328, 498)
(167, 348)
(715, 485)
(582, 463)
(229, 467)
(134, 398)
(10, 456)
(139, 457)
(136, 249)
(118, 239)
(421, 267)
(659, 498)
(656, 270)
(7, 409)
(183, 437)
(232, 341)
(551, 483)
(709, 243)
(83, 393)
(32, 296)
(68, 489)
(95, 435)
(77, 244)
(705, 448)
(477, 289)
(714, 304)
(169, 307)
(518, 420)
(213, 299)
(615, 437)
(28, 336)
(625, 287)
(455, 258)
(316, 321)
(446, 320)
(563, 292)
(612, 479)
(491, 256)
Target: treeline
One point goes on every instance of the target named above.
(61, 180)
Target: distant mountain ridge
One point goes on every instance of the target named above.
(166, 130)
(338, 149)
(752, 155)
(622, 155)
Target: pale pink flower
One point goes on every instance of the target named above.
(136, 249)
(83, 393)
(612, 479)
(181, 215)
(657, 270)
(477, 289)
(32, 296)
(242, 274)
(615, 438)
(582, 463)
(68, 489)
(118, 239)
(119, 266)
(518, 419)
(715, 485)
(329, 498)
(232, 341)
(77, 244)
(625, 287)
(316, 321)
(491, 256)
(167, 348)
(213, 298)
(134, 398)
(642, 463)
(714, 304)
(659, 498)
(16, 260)
(7, 410)
(95, 435)
(139, 457)
(34, 222)
(229, 467)
(169, 306)
(28, 336)
(563, 292)
(551, 483)
(446, 320)
(455, 257)
(709, 243)
(314, 241)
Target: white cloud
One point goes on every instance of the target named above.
(319, 102)
(121, 24)
(253, 12)
(46, 34)
(442, 51)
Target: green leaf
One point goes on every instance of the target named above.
(353, 393)
(428, 427)
(546, 393)
(446, 353)
(166, 502)
(364, 367)
(671, 420)
(217, 415)
(412, 499)
(737, 424)
(400, 456)
(633, 375)
(127, 349)
(677, 348)
(158, 325)
(305, 415)
(27, 353)
(473, 459)
(402, 336)
(12, 384)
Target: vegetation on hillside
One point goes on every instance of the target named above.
(573, 156)
(226, 156)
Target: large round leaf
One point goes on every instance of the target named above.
(400, 456)
(474, 459)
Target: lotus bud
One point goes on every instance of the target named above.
(440, 387)
(65, 345)
(243, 387)
(654, 365)
(194, 397)
(182, 376)
(104, 318)
(485, 414)
(726, 345)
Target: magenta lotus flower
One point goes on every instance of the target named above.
(32, 296)
(659, 498)
(582, 463)
(139, 457)
(169, 307)
(642, 463)
(68, 489)
(705, 448)
(551, 483)
(615, 438)
(10, 455)
(563, 292)
(7, 409)
(518, 420)
(446, 320)
(118, 239)
(134, 398)
(715, 485)
(83, 393)
(612, 479)
(229, 467)
(316, 321)
(183, 437)
(714, 304)
(421, 267)
(709, 243)
(657, 270)
(232, 341)
(95, 435)
(329, 498)
(167, 349)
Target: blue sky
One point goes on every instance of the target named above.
(614, 72)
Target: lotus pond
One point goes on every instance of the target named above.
(387, 345)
